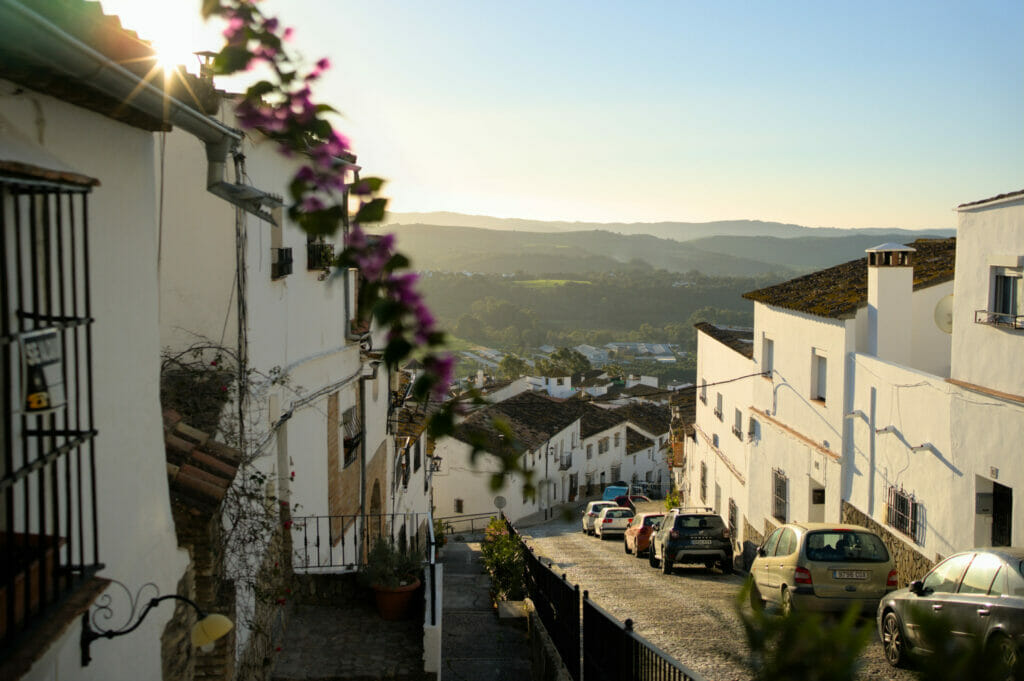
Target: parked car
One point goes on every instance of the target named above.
(822, 567)
(641, 528)
(612, 521)
(691, 535)
(590, 514)
(612, 491)
(979, 592)
(631, 500)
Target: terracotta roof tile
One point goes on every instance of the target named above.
(837, 292)
(199, 469)
(740, 340)
(998, 197)
(684, 411)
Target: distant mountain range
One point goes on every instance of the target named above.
(733, 248)
(677, 231)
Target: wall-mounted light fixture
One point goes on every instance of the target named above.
(887, 429)
(857, 413)
(208, 629)
(926, 445)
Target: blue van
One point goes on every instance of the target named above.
(612, 491)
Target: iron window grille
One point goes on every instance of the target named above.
(903, 512)
(780, 489)
(703, 481)
(733, 514)
(49, 527)
(319, 255)
(353, 431)
(1012, 321)
(281, 262)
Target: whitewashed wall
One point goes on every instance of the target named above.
(987, 236)
(137, 541)
(457, 478)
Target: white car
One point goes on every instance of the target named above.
(590, 515)
(612, 520)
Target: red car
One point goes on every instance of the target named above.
(638, 535)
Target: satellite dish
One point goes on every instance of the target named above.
(499, 502)
(944, 314)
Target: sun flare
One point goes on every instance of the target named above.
(175, 35)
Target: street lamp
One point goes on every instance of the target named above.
(208, 629)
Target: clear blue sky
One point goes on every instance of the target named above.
(867, 114)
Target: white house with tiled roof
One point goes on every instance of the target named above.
(896, 393)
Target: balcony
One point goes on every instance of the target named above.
(319, 256)
(1009, 321)
(737, 432)
(565, 463)
(718, 414)
(281, 262)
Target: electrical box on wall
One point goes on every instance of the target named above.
(983, 503)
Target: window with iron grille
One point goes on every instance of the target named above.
(353, 428)
(733, 514)
(703, 481)
(780, 489)
(319, 254)
(904, 513)
(590, 451)
(48, 514)
(416, 457)
(280, 263)
(602, 445)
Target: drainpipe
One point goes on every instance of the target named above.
(30, 35)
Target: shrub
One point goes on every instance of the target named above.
(502, 556)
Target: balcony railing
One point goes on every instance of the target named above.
(1010, 321)
(737, 432)
(319, 256)
(281, 265)
(565, 463)
(718, 414)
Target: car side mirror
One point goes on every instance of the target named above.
(761, 552)
(917, 587)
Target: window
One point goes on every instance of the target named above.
(718, 406)
(1007, 299)
(590, 451)
(352, 427)
(980, 574)
(47, 488)
(903, 513)
(559, 381)
(704, 390)
(416, 456)
(780, 489)
(280, 257)
(458, 505)
(616, 473)
(819, 375)
(602, 445)
(772, 542)
(714, 440)
(617, 439)
(733, 514)
(946, 575)
(767, 356)
(319, 254)
(787, 543)
(703, 481)
(737, 425)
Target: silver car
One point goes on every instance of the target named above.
(980, 593)
(591, 512)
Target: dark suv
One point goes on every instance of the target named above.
(692, 535)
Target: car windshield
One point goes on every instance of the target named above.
(847, 546)
(619, 513)
(652, 520)
(695, 524)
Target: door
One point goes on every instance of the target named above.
(1002, 514)
(760, 570)
(940, 586)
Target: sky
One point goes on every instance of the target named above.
(822, 113)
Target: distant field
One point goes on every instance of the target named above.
(548, 283)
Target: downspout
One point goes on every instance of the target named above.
(32, 35)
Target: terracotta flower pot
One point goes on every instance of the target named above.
(393, 602)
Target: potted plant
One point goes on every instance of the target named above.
(393, 574)
(440, 536)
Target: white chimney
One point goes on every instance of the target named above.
(890, 289)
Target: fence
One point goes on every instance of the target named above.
(342, 541)
(596, 646)
(458, 524)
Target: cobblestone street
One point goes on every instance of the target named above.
(689, 614)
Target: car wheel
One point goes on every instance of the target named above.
(652, 558)
(1005, 651)
(727, 566)
(756, 601)
(666, 562)
(787, 602)
(893, 642)
(625, 545)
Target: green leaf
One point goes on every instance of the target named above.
(321, 222)
(326, 108)
(257, 90)
(387, 311)
(441, 423)
(370, 185)
(372, 211)
(396, 350)
(231, 59)
(397, 262)
(211, 7)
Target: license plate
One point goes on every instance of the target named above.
(850, 574)
(700, 541)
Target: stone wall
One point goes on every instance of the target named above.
(337, 590)
(177, 653)
(910, 564)
(751, 540)
(275, 590)
(545, 662)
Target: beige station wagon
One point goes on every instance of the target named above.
(825, 567)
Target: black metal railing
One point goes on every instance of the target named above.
(49, 528)
(319, 256)
(565, 463)
(592, 644)
(612, 651)
(466, 523)
(281, 264)
(1012, 321)
(558, 607)
(342, 541)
